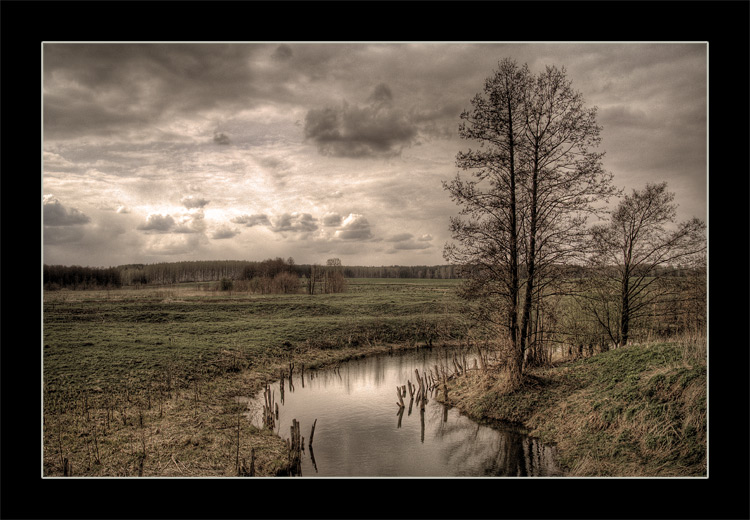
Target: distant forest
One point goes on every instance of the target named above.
(79, 278)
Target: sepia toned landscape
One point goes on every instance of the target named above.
(288, 260)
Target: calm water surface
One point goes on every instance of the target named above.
(360, 432)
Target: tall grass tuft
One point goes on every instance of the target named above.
(694, 346)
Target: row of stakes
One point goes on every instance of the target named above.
(429, 381)
(425, 383)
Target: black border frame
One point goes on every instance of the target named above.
(724, 24)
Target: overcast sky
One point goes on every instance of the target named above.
(167, 152)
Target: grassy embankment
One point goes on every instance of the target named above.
(145, 382)
(640, 410)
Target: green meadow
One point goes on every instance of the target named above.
(108, 338)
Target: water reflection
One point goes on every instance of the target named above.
(352, 408)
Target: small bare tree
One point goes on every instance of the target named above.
(334, 281)
(634, 256)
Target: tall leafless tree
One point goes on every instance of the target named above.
(535, 177)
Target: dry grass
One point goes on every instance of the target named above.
(636, 411)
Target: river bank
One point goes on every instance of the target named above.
(637, 411)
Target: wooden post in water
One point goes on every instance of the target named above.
(400, 402)
(295, 447)
(312, 432)
(268, 408)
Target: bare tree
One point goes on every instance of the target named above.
(487, 236)
(565, 179)
(634, 254)
(334, 281)
(534, 179)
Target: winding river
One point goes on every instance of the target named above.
(361, 432)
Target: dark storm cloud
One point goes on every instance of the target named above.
(252, 220)
(104, 88)
(373, 130)
(55, 214)
(294, 222)
(224, 233)
(222, 138)
(381, 95)
(158, 223)
(332, 220)
(282, 53)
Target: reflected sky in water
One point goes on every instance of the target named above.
(361, 433)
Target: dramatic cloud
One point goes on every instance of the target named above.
(158, 223)
(354, 227)
(332, 220)
(355, 131)
(294, 222)
(282, 53)
(193, 222)
(333, 149)
(222, 138)
(381, 95)
(55, 214)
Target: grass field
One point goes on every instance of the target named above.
(100, 338)
(145, 381)
(149, 374)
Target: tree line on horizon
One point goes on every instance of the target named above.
(78, 277)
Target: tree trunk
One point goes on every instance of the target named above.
(513, 374)
(513, 236)
(531, 263)
(625, 317)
